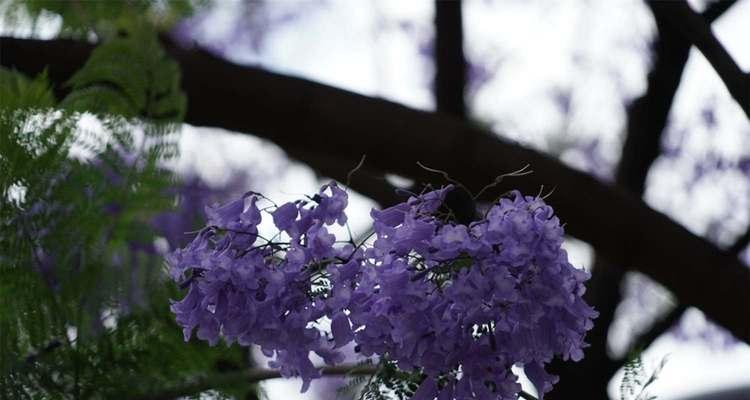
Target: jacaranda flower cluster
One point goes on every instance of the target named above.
(460, 303)
(464, 303)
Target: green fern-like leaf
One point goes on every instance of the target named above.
(129, 76)
(636, 379)
(103, 18)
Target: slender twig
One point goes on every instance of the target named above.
(354, 170)
(498, 179)
(444, 174)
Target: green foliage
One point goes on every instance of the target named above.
(637, 379)
(18, 92)
(102, 18)
(388, 383)
(84, 310)
(129, 76)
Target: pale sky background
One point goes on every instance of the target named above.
(593, 50)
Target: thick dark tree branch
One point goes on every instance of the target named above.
(740, 243)
(661, 326)
(450, 65)
(647, 119)
(672, 47)
(647, 115)
(329, 122)
(698, 32)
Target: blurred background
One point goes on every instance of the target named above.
(569, 78)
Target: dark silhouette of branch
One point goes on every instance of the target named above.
(740, 244)
(662, 325)
(736, 393)
(647, 119)
(450, 65)
(674, 43)
(698, 32)
(647, 115)
(330, 122)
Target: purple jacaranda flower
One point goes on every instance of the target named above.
(459, 303)
(253, 290)
(439, 296)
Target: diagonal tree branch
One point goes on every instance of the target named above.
(673, 50)
(661, 326)
(740, 243)
(698, 32)
(647, 118)
(335, 123)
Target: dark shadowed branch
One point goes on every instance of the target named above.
(694, 27)
(450, 64)
(646, 121)
(662, 325)
(334, 123)
(740, 244)
(674, 48)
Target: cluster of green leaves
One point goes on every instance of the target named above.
(102, 18)
(387, 383)
(84, 310)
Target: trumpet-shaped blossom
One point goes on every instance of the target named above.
(464, 303)
(461, 303)
(254, 290)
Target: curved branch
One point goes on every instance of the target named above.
(330, 122)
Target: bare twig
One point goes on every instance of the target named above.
(355, 169)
